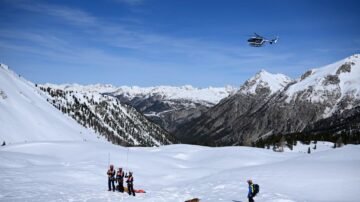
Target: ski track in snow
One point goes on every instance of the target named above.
(76, 171)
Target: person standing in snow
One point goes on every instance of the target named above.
(111, 179)
(120, 179)
(251, 191)
(130, 185)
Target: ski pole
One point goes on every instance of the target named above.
(127, 158)
(109, 159)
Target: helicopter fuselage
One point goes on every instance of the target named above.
(256, 41)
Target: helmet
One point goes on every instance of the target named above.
(111, 166)
(249, 181)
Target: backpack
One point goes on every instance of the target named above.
(256, 189)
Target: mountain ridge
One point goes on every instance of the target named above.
(167, 106)
(265, 104)
(30, 112)
(244, 117)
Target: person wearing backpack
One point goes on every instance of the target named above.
(111, 173)
(130, 185)
(253, 190)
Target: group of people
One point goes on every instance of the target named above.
(118, 176)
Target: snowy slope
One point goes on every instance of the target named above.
(25, 115)
(264, 79)
(51, 172)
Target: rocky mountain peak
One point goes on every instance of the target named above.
(255, 111)
(265, 81)
(331, 82)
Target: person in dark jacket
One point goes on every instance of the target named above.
(120, 179)
(130, 183)
(111, 179)
(251, 191)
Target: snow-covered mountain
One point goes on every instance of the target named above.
(336, 86)
(167, 106)
(272, 104)
(26, 116)
(119, 123)
(171, 106)
(207, 96)
(97, 88)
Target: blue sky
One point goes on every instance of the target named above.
(172, 42)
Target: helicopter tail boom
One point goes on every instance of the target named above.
(273, 41)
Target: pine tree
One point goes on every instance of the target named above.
(309, 150)
(281, 144)
(339, 142)
(291, 147)
(314, 147)
(3, 144)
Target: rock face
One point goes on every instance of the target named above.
(346, 122)
(168, 114)
(170, 106)
(106, 115)
(272, 104)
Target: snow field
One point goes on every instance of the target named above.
(76, 171)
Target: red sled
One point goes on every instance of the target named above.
(136, 190)
(139, 191)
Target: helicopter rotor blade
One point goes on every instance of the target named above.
(257, 35)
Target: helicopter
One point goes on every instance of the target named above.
(258, 41)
